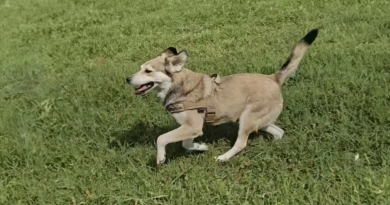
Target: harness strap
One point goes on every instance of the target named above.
(205, 106)
(201, 108)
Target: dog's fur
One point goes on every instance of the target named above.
(253, 100)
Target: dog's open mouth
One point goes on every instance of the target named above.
(143, 88)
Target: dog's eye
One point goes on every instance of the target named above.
(148, 71)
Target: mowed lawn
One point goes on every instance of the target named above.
(73, 132)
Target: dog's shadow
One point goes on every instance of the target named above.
(144, 133)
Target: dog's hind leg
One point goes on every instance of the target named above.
(189, 145)
(275, 131)
(250, 120)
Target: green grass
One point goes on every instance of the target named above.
(69, 123)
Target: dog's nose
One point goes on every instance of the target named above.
(128, 80)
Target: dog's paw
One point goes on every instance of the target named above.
(203, 147)
(160, 161)
(198, 147)
(221, 158)
(279, 135)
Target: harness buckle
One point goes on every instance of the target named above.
(210, 115)
(201, 109)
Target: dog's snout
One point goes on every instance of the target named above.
(128, 80)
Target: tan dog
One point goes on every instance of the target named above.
(253, 100)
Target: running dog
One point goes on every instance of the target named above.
(253, 100)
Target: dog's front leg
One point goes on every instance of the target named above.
(184, 132)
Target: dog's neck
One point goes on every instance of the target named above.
(163, 90)
(185, 85)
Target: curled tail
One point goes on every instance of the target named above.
(291, 65)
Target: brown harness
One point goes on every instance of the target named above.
(204, 106)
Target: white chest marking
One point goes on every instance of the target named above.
(163, 90)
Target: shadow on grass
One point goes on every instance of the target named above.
(144, 133)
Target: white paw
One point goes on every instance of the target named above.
(199, 147)
(160, 161)
(279, 135)
(222, 158)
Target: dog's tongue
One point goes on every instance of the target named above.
(142, 88)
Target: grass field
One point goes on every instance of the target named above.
(73, 132)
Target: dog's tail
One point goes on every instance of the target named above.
(291, 65)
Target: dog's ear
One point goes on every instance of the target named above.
(176, 63)
(169, 51)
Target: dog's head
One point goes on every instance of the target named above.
(158, 71)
